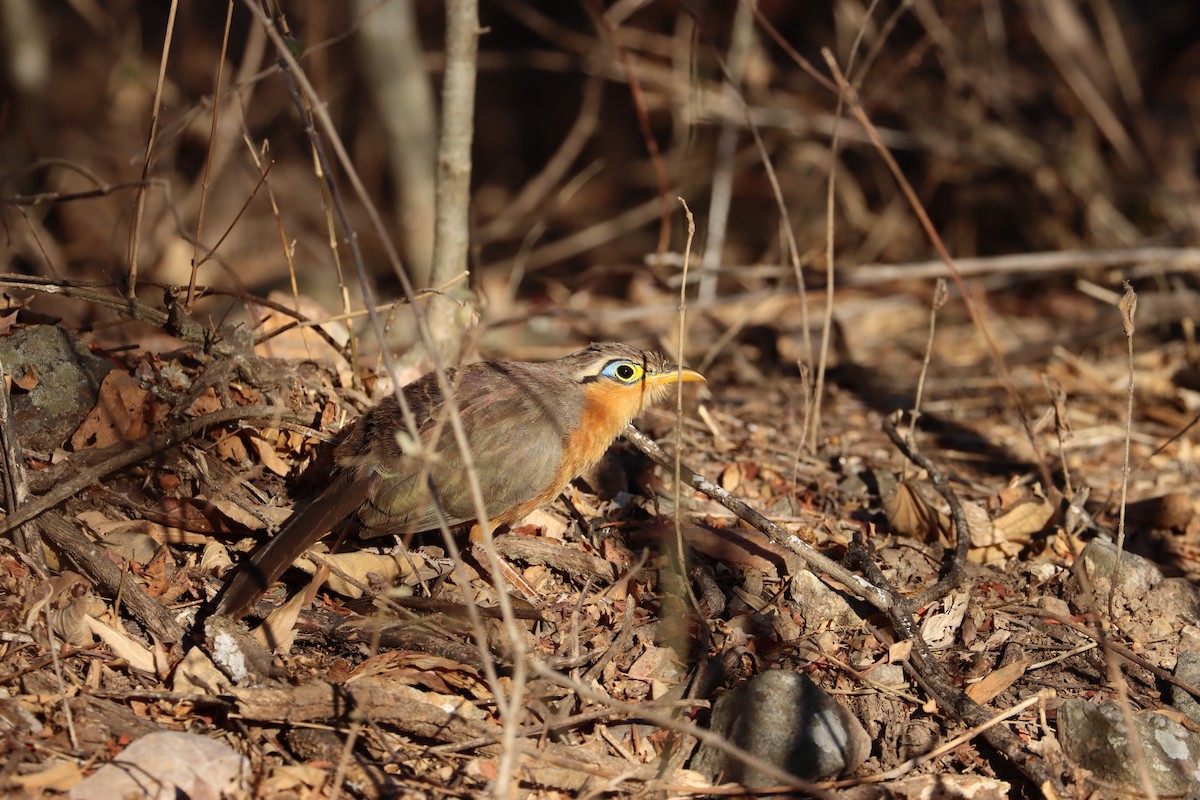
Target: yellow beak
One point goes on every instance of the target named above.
(671, 373)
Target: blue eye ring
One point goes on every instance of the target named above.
(623, 370)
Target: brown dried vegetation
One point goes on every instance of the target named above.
(1053, 147)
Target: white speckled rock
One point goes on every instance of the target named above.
(1094, 736)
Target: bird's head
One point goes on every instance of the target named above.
(620, 381)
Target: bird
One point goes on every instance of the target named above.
(532, 428)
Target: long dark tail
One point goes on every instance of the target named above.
(347, 491)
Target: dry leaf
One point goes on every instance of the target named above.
(748, 548)
(732, 477)
(120, 415)
(197, 673)
(295, 780)
(537, 577)
(300, 343)
(1024, 520)
(98, 523)
(1128, 306)
(278, 630)
(56, 591)
(58, 777)
(899, 651)
(1009, 496)
(184, 513)
(245, 518)
(995, 541)
(1058, 395)
(909, 513)
(28, 381)
(245, 395)
(71, 621)
(131, 545)
(983, 532)
(159, 580)
(985, 690)
(378, 664)
(231, 448)
(269, 458)
(121, 645)
(366, 567)
(660, 667)
(214, 559)
(948, 786)
(7, 320)
(548, 524)
(206, 403)
(940, 629)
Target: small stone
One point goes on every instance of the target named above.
(1043, 571)
(942, 786)
(1055, 605)
(888, 675)
(1189, 639)
(1180, 600)
(785, 719)
(1187, 669)
(821, 606)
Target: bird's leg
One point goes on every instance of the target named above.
(509, 574)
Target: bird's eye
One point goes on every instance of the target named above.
(624, 371)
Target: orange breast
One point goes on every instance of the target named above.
(607, 409)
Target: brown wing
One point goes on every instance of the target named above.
(515, 442)
(399, 501)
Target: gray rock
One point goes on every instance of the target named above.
(1147, 608)
(888, 675)
(1094, 568)
(1093, 736)
(785, 719)
(68, 383)
(1181, 599)
(821, 606)
(1187, 669)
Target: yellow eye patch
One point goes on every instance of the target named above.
(623, 370)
